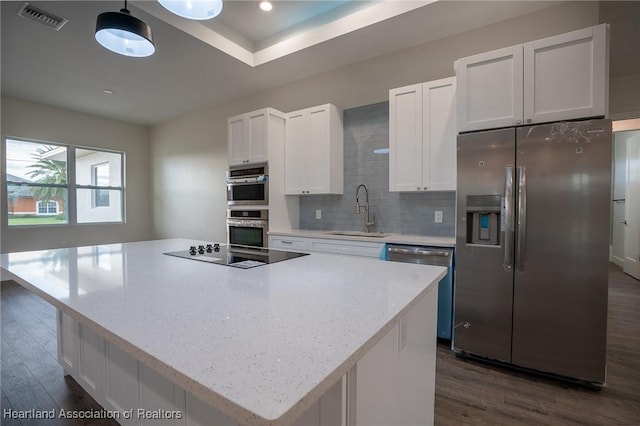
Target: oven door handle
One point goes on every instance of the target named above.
(248, 223)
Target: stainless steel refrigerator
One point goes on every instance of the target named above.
(532, 247)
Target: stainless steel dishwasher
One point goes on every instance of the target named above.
(437, 256)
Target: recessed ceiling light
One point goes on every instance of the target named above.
(265, 5)
(108, 91)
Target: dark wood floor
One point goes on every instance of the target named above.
(467, 392)
(473, 393)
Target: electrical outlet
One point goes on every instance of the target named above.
(438, 216)
(318, 214)
(402, 334)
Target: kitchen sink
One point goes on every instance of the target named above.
(358, 234)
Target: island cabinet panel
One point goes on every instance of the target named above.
(399, 370)
(122, 389)
(91, 362)
(160, 396)
(67, 343)
(201, 414)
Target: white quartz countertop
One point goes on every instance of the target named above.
(260, 344)
(421, 240)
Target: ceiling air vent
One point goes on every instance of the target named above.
(46, 18)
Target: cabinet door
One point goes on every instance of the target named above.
(318, 151)
(67, 343)
(405, 138)
(122, 391)
(565, 76)
(490, 89)
(294, 153)
(257, 136)
(157, 394)
(236, 140)
(439, 135)
(91, 362)
(288, 243)
(200, 413)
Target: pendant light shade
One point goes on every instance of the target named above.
(124, 34)
(193, 9)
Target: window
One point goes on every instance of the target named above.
(101, 178)
(36, 176)
(99, 191)
(46, 208)
(43, 190)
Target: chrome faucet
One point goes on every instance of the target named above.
(368, 224)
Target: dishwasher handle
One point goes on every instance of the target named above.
(419, 252)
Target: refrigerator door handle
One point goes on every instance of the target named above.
(522, 218)
(507, 219)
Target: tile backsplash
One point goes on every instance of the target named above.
(366, 160)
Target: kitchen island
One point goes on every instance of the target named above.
(320, 339)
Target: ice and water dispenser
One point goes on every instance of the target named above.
(483, 219)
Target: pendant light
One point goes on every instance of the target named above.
(124, 34)
(193, 9)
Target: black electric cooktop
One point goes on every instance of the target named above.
(244, 257)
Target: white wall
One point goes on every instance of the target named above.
(624, 96)
(188, 155)
(28, 120)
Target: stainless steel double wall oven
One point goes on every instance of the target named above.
(247, 201)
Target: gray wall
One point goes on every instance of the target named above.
(194, 147)
(366, 130)
(28, 120)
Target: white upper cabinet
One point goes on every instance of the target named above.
(557, 78)
(566, 76)
(405, 138)
(314, 151)
(422, 137)
(439, 133)
(490, 89)
(248, 137)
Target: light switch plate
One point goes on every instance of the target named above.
(438, 216)
(318, 214)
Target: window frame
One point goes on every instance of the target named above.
(71, 205)
(95, 195)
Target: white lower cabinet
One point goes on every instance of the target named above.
(122, 385)
(91, 361)
(326, 245)
(396, 379)
(160, 397)
(289, 243)
(394, 382)
(353, 248)
(67, 343)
